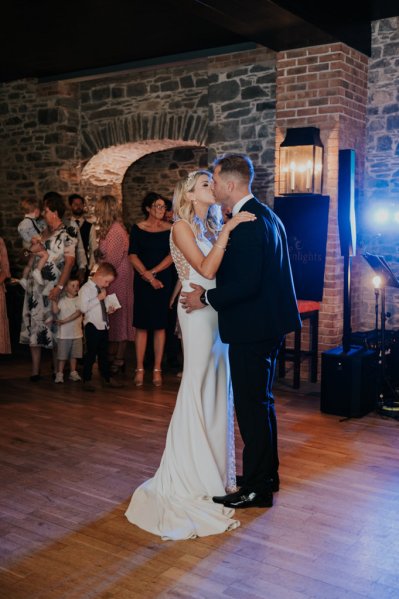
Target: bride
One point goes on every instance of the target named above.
(198, 461)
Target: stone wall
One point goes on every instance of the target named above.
(157, 172)
(382, 165)
(242, 102)
(39, 129)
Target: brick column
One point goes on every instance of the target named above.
(326, 87)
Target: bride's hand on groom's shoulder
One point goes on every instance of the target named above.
(240, 217)
(191, 300)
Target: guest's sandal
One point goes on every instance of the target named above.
(139, 377)
(157, 377)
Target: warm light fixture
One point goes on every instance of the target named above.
(301, 161)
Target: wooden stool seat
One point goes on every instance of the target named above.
(308, 310)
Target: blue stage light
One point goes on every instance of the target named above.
(381, 216)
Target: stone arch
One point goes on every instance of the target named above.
(184, 126)
(105, 171)
(111, 147)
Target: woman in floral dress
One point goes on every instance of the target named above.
(60, 243)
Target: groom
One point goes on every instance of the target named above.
(256, 305)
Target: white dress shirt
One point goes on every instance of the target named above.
(90, 305)
(237, 207)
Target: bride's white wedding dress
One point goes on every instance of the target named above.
(198, 461)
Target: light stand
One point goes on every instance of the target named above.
(388, 398)
(377, 283)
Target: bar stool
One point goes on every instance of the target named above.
(308, 310)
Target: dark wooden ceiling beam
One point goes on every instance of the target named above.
(281, 25)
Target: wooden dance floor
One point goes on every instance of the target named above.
(70, 461)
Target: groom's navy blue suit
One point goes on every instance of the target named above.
(256, 305)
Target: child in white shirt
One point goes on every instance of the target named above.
(70, 333)
(95, 320)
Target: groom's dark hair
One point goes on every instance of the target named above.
(240, 164)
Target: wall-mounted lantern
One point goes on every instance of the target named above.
(301, 161)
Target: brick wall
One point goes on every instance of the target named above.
(326, 87)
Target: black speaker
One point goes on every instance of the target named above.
(346, 202)
(305, 218)
(349, 381)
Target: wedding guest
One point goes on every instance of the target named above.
(32, 224)
(69, 330)
(96, 325)
(113, 245)
(77, 207)
(150, 256)
(37, 318)
(5, 343)
(30, 229)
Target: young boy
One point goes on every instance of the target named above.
(95, 319)
(30, 229)
(69, 334)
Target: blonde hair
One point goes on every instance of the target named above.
(183, 207)
(108, 212)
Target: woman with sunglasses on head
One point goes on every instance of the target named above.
(149, 254)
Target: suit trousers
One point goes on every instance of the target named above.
(253, 367)
(96, 347)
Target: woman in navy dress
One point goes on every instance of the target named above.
(149, 253)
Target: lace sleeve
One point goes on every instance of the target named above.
(181, 264)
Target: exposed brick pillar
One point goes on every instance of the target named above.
(326, 87)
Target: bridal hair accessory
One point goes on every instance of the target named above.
(190, 178)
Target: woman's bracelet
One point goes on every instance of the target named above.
(222, 247)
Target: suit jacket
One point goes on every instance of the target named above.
(85, 229)
(254, 294)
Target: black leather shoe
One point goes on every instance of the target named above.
(226, 498)
(251, 500)
(275, 483)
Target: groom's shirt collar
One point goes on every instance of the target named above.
(241, 203)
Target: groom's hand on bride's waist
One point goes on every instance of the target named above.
(191, 300)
